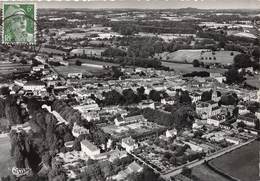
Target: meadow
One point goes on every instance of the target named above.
(241, 163)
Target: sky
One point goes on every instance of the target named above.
(150, 4)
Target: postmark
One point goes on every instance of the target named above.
(19, 25)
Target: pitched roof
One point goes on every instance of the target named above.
(134, 167)
(89, 145)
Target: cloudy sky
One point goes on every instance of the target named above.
(151, 4)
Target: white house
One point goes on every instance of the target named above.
(233, 140)
(89, 149)
(203, 110)
(195, 97)
(129, 144)
(258, 95)
(216, 120)
(78, 130)
(168, 100)
(247, 119)
(194, 146)
(75, 75)
(129, 120)
(146, 104)
(38, 68)
(34, 86)
(171, 133)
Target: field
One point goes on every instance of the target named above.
(50, 50)
(85, 70)
(241, 163)
(222, 57)
(206, 174)
(5, 158)
(188, 68)
(88, 61)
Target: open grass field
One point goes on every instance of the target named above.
(242, 163)
(64, 70)
(50, 50)
(222, 57)
(203, 173)
(85, 70)
(88, 61)
(5, 159)
(188, 68)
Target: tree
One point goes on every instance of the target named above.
(229, 99)
(183, 117)
(233, 76)
(256, 52)
(206, 96)
(130, 96)
(4, 90)
(116, 72)
(140, 93)
(196, 63)
(155, 95)
(113, 98)
(78, 63)
(183, 97)
(242, 61)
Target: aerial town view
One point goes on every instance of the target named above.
(130, 90)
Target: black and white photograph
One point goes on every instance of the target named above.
(130, 90)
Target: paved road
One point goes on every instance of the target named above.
(178, 170)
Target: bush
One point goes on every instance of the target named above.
(78, 63)
(196, 63)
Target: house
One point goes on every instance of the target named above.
(88, 106)
(212, 103)
(171, 133)
(79, 130)
(233, 140)
(89, 149)
(117, 154)
(91, 116)
(38, 68)
(220, 79)
(194, 146)
(75, 75)
(168, 100)
(120, 121)
(146, 104)
(203, 109)
(258, 95)
(129, 144)
(131, 168)
(216, 120)
(198, 124)
(248, 119)
(215, 97)
(34, 86)
(134, 167)
(215, 111)
(195, 97)
(242, 110)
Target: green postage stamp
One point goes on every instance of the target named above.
(19, 25)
